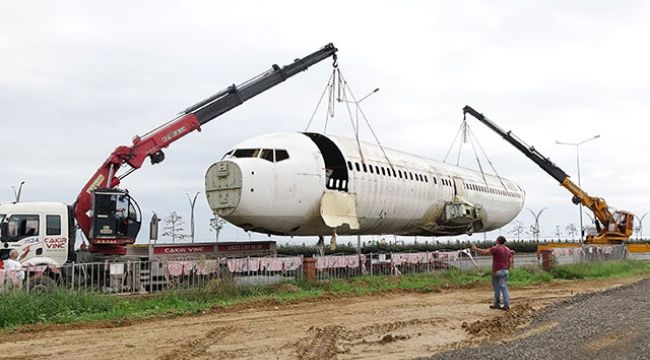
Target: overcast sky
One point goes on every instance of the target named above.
(79, 78)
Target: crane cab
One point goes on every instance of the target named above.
(116, 217)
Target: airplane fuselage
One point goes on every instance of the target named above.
(305, 184)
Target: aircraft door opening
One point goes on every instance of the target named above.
(336, 170)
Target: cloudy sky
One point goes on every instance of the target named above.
(79, 78)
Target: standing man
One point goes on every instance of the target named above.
(14, 270)
(501, 256)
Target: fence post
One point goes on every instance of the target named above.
(309, 269)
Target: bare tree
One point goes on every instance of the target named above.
(517, 229)
(216, 224)
(558, 233)
(572, 230)
(534, 232)
(174, 227)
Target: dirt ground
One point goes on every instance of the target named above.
(390, 325)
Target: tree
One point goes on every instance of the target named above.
(174, 227)
(558, 233)
(534, 232)
(572, 230)
(518, 229)
(216, 224)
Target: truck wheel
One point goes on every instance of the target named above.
(41, 283)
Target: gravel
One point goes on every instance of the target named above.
(613, 324)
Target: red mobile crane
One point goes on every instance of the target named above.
(613, 227)
(107, 215)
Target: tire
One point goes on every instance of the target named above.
(41, 283)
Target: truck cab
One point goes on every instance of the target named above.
(42, 233)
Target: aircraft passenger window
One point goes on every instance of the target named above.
(383, 171)
(350, 166)
(365, 169)
(267, 154)
(281, 155)
(356, 164)
(399, 172)
(394, 173)
(376, 169)
(411, 175)
(435, 181)
(426, 179)
(370, 166)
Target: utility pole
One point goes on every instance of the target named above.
(577, 145)
(192, 203)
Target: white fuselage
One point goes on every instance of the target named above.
(331, 184)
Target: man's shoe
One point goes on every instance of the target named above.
(506, 307)
(495, 306)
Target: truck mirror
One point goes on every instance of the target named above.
(153, 227)
(4, 231)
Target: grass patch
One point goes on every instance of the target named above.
(601, 270)
(65, 306)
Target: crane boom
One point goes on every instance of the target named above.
(96, 208)
(617, 227)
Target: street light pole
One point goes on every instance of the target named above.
(20, 189)
(192, 203)
(577, 145)
(536, 216)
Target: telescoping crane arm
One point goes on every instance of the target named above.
(621, 221)
(190, 119)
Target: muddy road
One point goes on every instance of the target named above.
(390, 325)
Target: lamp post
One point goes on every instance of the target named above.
(577, 145)
(640, 219)
(17, 194)
(192, 203)
(536, 216)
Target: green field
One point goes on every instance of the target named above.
(64, 306)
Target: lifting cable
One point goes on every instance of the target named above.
(320, 100)
(360, 110)
(468, 135)
(338, 90)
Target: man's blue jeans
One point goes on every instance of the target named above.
(500, 286)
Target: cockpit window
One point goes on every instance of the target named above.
(267, 154)
(246, 153)
(281, 155)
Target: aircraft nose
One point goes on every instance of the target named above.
(223, 185)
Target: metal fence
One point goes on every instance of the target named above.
(589, 253)
(134, 277)
(347, 266)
